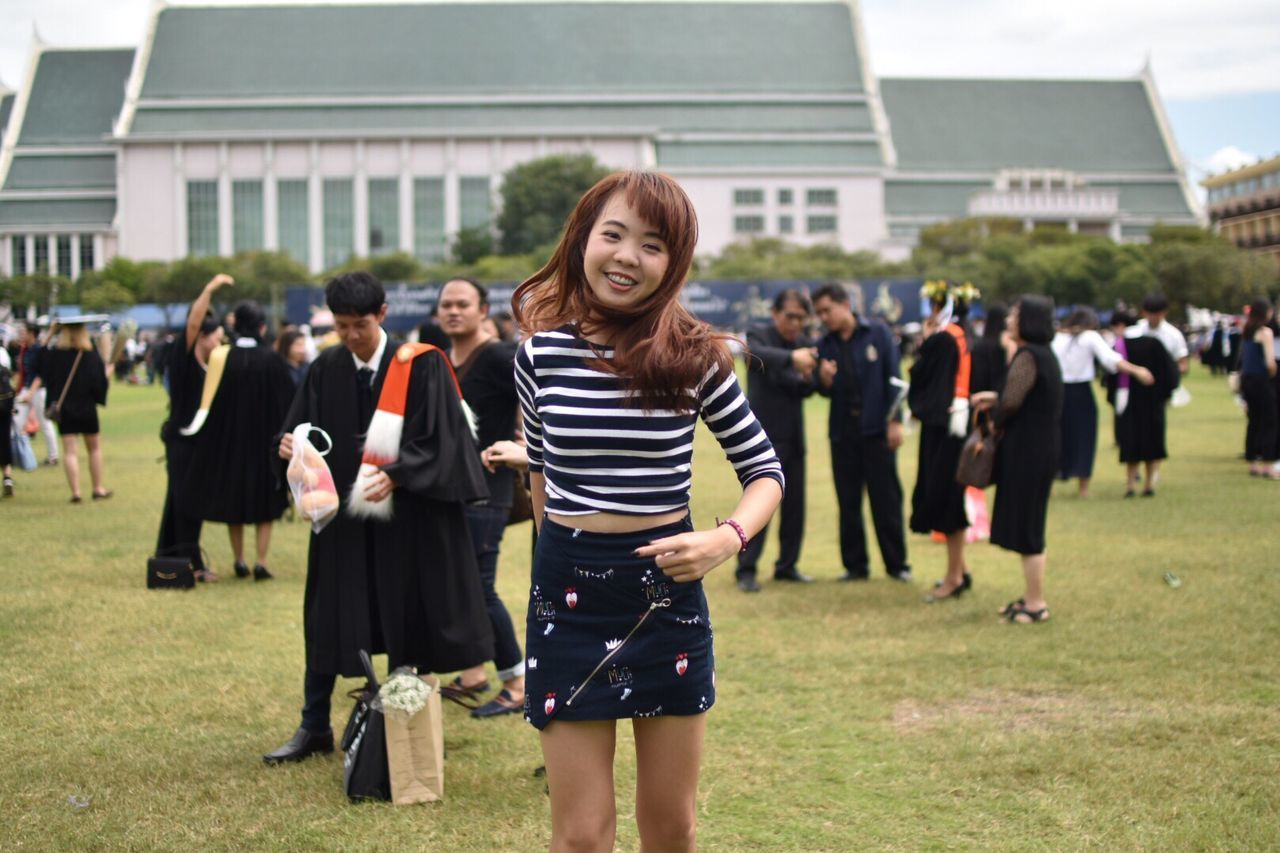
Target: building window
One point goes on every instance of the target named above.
(822, 198)
(822, 224)
(428, 220)
(64, 254)
(904, 232)
(748, 224)
(246, 216)
(293, 218)
(87, 260)
(339, 222)
(786, 197)
(473, 203)
(786, 224)
(202, 218)
(384, 215)
(42, 253)
(19, 244)
(748, 197)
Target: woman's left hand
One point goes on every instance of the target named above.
(983, 400)
(689, 557)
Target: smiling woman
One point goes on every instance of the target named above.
(613, 378)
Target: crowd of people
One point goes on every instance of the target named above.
(584, 422)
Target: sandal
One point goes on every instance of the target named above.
(1012, 606)
(206, 576)
(103, 495)
(482, 687)
(503, 703)
(1033, 616)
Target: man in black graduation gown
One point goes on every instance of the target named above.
(186, 359)
(408, 586)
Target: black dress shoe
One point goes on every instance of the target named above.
(793, 576)
(849, 577)
(902, 576)
(748, 583)
(298, 747)
(242, 570)
(260, 573)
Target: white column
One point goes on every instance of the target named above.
(1113, 230)
(495, 185)
(6, 255)
(1028, 225)
(99, 251)
(452, 207)
(270, 205)
(360, 192)
(315, 211)
(180, 238)
(1073, 226)
(406, 198)
(31, 254)
(224, 202)
(75, 257)
(51, 241)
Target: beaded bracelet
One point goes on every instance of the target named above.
(737, 528)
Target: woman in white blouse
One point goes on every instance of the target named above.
(1079, 348)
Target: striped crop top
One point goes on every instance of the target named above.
(599, 454)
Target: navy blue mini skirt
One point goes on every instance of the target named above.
(609, 635)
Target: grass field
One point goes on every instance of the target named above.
(850, 717)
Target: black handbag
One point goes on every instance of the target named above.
(978, 457)
(365, 772)
(170, 573)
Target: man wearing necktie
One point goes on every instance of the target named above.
(407, 586)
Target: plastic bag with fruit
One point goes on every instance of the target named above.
(310, 480)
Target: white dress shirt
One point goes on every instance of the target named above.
(373, 363)
(1077, 353)
(1173, 340)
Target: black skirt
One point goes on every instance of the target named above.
(937, 502)
(609, 636)
(79, 423)
(1079, 431)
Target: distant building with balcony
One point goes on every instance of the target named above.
(327, 131)
(1244, 206)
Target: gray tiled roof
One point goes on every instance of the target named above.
(75, 96)
(471, 48)
(6, 107)
(1086, 126)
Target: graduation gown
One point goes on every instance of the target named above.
(937, 501)
(1140, 429)
(409, 586)
(231, 477)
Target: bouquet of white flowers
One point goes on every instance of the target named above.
(404, 692)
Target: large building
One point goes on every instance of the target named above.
(1244, 206)
(329, 131)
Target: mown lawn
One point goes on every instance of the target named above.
(850, 717)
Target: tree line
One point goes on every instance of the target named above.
(1190, 265)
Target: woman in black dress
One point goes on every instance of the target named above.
(1027, 413)
(86, 391)
(939, 399)
(1257, 371)
(1140, 405)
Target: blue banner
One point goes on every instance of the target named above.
(724, 304)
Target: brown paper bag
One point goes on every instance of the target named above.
(415, 751)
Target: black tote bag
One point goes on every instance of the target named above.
(365, 773)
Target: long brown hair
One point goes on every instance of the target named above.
(660, 351)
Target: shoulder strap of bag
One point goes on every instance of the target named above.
(463, 369)
(72, 375)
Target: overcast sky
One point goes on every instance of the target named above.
(1217, 64)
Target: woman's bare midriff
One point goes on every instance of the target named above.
(611, 522)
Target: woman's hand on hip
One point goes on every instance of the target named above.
(688, 557)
